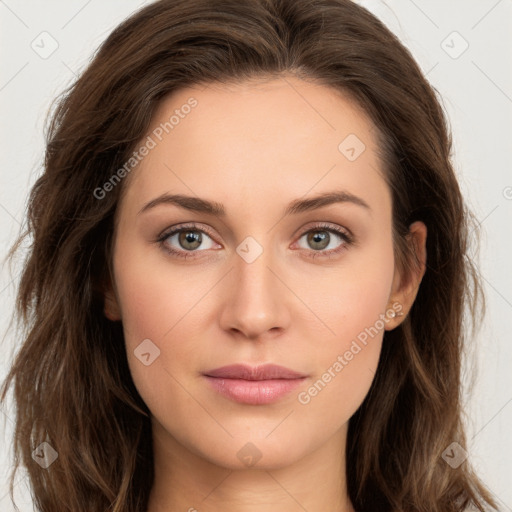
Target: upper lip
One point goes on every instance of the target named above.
(247, 372)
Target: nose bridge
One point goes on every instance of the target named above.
(254, 302)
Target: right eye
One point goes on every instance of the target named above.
(181, 240)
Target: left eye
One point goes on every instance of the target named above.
(319, 239)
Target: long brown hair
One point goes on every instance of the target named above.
(72, 385)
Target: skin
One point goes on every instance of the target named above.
(254, 147)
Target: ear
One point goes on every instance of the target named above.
(111, 307)
(407, 283)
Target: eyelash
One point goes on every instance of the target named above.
(346, 238)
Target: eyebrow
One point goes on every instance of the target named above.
(196, 204)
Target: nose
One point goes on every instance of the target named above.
(256, 300)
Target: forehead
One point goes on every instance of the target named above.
(258, 138)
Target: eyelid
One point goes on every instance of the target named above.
(203, 227)
(321, 224)
(195, 226)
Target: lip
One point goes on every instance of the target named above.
(254, 385)
(247, 372)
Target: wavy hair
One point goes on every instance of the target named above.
(70, 377)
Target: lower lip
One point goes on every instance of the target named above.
(254, 392)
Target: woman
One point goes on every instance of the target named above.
(248, 274)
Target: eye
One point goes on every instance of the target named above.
(181, 240)
(320, 238)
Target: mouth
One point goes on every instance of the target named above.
(254, 385)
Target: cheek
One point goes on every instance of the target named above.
(348, 356)
(345, 366)
(357, 292)
(150, 307)
(154, 298)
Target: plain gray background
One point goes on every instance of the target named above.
(465, 49)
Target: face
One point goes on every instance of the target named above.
(310, 288)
